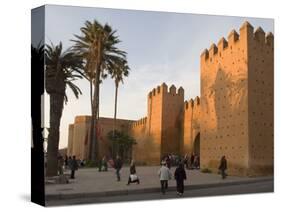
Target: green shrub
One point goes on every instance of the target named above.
(91, 164)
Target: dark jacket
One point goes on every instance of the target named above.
(118, 164)
(223, 164)
(66, 161)
(192, 159)
(180, 174)
(73, 164)
(168, 161)
(133, 169)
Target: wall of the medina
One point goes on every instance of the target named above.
(191, 127)
(141, 150)
(172, 118)
(260, 89)
(79, 135)
(224, 103)
(70, 139)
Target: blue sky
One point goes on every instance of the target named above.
(161, 47)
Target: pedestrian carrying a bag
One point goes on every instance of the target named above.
(133, 178)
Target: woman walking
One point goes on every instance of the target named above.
(133, 178)
(180, 176)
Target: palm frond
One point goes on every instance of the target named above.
(62, 68)
(75, 89)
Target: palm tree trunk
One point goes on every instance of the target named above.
(56, 106)
(94, 150)
(98, 110)
(115, 112)
(92, 120)
(115, 106)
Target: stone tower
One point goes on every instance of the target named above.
(237, 102)
(161, 131)
(191, 127)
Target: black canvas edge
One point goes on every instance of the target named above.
(37, 108)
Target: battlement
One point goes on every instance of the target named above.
(140, 122)
(192, 103)
(246, 31)
(269, 38)
(163, 88)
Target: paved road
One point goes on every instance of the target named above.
(254, 187)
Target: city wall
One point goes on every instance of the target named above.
(78, 139)
(233, 115)
(227, 103)
(191, 126)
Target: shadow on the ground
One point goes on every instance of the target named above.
(25, 197)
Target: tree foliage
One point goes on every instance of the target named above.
(122, 142)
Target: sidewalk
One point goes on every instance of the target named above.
(91, 183)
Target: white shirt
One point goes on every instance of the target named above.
(164, 173)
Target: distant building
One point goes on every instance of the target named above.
(78, 135)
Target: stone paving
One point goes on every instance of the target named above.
(89, 180)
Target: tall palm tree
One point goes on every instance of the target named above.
(97, 45)
(62, 68)
(121, 70)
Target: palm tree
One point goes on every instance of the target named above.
(120, 71)
(97, 45)
(62, 68)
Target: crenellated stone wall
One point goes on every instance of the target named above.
(232, 85)
(191, 126)
(260, 92)
(233, 115)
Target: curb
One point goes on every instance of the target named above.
(60, 196)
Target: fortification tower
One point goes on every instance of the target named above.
(191, 126)
(70, 139)
(138, 131)
(78, 138)
(164, 120)
(237, 102)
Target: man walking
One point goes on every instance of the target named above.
(73, 166)
(118, 165)
(192, 161)
(223, 167)
(60, 164)
(164, 175)
(65, 162)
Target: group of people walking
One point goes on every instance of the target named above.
(192, 162)
(165, 175)
(68, 163)
(164, 172)
(133, 177)
(180, 174)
